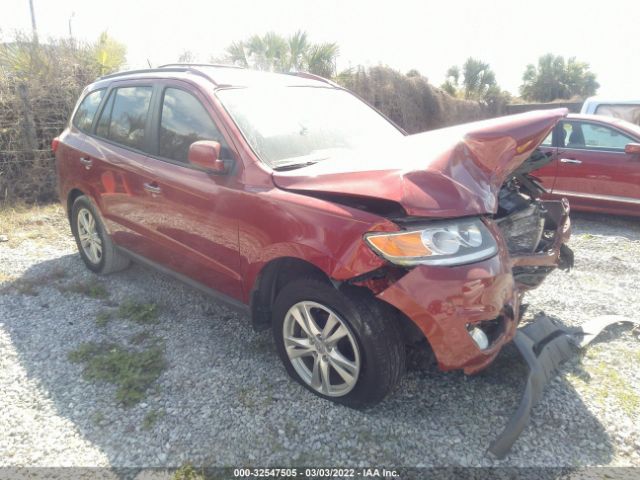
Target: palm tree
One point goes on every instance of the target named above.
(298, 46)
(320, 59)
(478, 78)
(275, 53)
(237, 54)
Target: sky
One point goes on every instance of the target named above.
(424, 35)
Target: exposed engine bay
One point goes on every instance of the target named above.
(529, 224)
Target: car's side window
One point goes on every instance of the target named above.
(102, 128)
(184, 121)
(591, 136)
(630, 113)
(547, 142)
(599, 136)
(83, 119)
(124, 116)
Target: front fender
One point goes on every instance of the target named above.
(325, 234)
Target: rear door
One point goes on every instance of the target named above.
(120, 169)
(593, 169)
(74, 154)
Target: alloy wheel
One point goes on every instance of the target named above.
(89, 237)
(321, 348)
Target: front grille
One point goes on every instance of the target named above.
(522, 230)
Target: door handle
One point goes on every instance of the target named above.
(570, 160)
(87, 162)
(152, 188)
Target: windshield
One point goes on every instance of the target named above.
(290, 127)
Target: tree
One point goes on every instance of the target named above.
(298, 47)
(108, 53)
(478, 79)
(452, 82)
(276, 53)
(554, 78)
(475, 81)
(320, 59)
(187, 56)
(27, 59)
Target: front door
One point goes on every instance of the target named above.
(194, 215)
(593, 169)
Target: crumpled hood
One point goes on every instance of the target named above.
(448, 172)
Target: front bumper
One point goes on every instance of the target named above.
(444, 302)
(545, 345)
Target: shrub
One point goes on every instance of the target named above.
(39, 85)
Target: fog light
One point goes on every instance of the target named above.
(479, 337)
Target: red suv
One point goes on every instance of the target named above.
(290, 198)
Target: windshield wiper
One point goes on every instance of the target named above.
(293, 166)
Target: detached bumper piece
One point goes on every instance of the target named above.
(545, 345)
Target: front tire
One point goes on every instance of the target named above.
(344, 346)
(96, 249)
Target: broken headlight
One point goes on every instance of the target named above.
(439, 243)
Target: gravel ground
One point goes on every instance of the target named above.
(225, 399)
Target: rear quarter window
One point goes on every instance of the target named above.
(83, 119)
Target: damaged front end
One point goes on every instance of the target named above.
(467, 232)
(534, 230)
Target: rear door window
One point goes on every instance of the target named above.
(124, 117)
(83, 119)
(183, 121)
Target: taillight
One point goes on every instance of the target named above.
(54, 144)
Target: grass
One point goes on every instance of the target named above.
(103, 318)
(26, 287)
(141, 337)
(29, 285)
(133, 372)
(245, 397)
(143, 313)
(611, 386)
(151, 418)
(188, 472)
(91, 288)
(97, 418)
(605, 382)
(36, 223)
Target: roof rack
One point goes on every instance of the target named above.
(313, 76)
(162, 69)
(171, 65)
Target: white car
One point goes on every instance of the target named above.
(628, 110)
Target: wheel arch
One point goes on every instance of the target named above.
(73, 194)
(273, 276)
(280, 271)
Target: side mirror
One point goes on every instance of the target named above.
(206, 154)
(632, 148)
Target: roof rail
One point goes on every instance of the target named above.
(199, 65)
(313, 76)
(162, 69)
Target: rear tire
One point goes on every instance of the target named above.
(95, 246)
(370, 348)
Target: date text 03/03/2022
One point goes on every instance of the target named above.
(315, 472)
